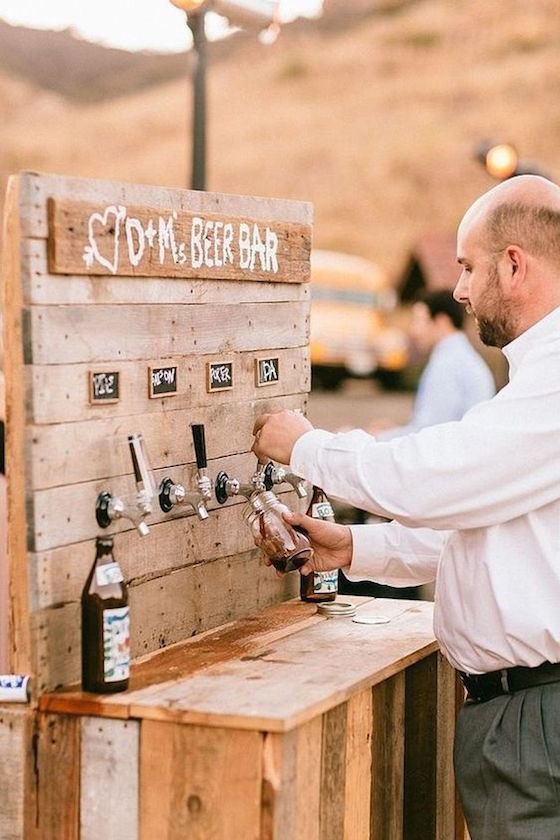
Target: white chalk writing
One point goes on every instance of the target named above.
(203, 243)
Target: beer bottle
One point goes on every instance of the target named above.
(105, 624)
(319, 586)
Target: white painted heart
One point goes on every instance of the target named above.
(103, 219)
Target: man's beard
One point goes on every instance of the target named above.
(496, 327)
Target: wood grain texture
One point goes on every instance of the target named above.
(207, 785)
(359, 722)
(164, 610)
(445, 777)
(109, 785)
(66, 514)
(57, 393)
(18, 631)
(387, 759)
(259, 693)
(72, 453)
(38, 187)
(57, 775)
(155, 241)
(40, 287)
(421, 754)
(291, 790)
(15, 769)
(333, 773)
(243, 639)
(69, 334)
(57, 576)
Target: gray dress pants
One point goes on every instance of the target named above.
(507, 765)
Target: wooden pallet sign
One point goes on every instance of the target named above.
(155, 242)
(133, 309)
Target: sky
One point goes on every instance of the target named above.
(129, 24)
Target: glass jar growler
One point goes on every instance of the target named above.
(319, 586)
(287, 547)
(105, 624)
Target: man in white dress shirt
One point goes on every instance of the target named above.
(476, 505)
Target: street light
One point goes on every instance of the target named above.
(248, 14)
(502, 161)
(195, 11)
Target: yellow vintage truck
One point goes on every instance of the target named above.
(353, 333)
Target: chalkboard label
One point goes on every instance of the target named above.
(267, 371)
(162, 381)
(220, 376)
(104, 387)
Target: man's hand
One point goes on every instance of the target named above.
(332, 543)
(276, 434)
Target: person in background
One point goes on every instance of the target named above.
(476, 505)
(455, 378)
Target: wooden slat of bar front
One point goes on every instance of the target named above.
(273, 671)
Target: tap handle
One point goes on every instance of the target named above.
(141, 465)
(199, 441)
(269, 476)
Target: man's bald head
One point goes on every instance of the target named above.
(523, 211)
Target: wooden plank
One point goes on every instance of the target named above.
(164, 610)
(207, 785)
(40, 287)
(18, 623)
(69, 334)
(461, 832)
(291, 788)
(153, 241)
(37, 188)
(57, 576)
(109, 779)
(50, 387)
(445, 777)
(57, 773)
(71, 453)
(420, 794)
(245, 638)
(358, 767)
(15, 741)
(387, 759)
(65, 515)
(333, 773)
(259, 693)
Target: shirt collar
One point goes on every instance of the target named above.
(520, 346)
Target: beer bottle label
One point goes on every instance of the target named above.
(324, 582)
(322, 510)
(116, 644)
(109, 573)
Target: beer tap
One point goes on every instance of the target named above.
(273, 474)
(171, 494)
(109, 507)
(226, 486)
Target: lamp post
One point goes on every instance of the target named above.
(196, 13)
(248, 14)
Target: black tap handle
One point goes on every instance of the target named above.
(199, 445)
(135, 464)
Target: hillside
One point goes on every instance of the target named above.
(375, 121)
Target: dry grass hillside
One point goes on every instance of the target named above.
(375, 122)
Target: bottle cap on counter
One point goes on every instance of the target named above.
(336, 609)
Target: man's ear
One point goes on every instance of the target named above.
(516, 265)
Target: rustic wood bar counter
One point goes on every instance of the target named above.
(281, 725)
(136, 311)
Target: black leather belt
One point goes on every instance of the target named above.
(481, 687)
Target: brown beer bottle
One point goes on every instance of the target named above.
(319, 586)
(105, 624)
